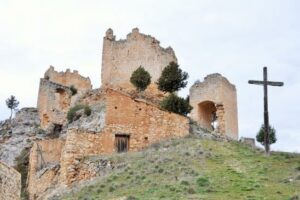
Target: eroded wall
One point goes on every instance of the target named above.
(217, 89)
(44, 165)
(10, 183)
(56, 97)
(143, 122)
(121, 57)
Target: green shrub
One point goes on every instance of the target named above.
(73, 90)
(73, 110)
(176, 104)
(202, 182)
(140, 78)
(172, 78)
(260, 137)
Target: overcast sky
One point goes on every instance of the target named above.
(234, 38)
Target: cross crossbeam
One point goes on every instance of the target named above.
(265, 84)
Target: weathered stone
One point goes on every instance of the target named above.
(215, 95)
(10, 183)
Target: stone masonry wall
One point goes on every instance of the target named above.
(10, 183)
(144, 123)
(217, 89)
(43, 166)
(55, 96)
(121, 57)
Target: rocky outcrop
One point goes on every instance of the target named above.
(19, 134)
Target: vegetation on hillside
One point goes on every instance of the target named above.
(192, 168)
(72, 112)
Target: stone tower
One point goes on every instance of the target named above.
(121, 57)
(214, 104)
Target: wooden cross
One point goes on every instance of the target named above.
(265, 83)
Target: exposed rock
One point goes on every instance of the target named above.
(18, 134)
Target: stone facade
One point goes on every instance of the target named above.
(121, 57)
(138, 119)
(55, 95)
(10, 183)
(215, 97)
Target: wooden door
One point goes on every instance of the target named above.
(122, 143)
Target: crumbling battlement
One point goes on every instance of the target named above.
(68, 79)
(215, 99)
(121, 57)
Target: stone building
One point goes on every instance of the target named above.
(10, 183)
(55, 95)
(214, 104)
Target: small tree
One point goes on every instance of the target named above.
(12, 103)
(176, 104)
(172, 78)
(140, 78)
(260, 137)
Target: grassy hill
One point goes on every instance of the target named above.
(193, 168)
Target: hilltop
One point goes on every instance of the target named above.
(194, 168)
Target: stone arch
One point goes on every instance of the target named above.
(207, 115)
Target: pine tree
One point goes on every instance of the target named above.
(140, 78)
(12, 103)
(172, 78)
(260, 137)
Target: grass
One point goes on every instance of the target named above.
(190, 168)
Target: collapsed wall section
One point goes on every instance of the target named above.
(121, 57)
(215, 101)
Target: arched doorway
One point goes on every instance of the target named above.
(207, 115)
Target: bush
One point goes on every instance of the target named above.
(140, 78)
(73, 110)
(202, 182)
(260, 137)
(172, 78)
(176, 104)
(73, 90)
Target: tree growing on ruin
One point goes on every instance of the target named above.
(172, 78)
(260, 137)
(12, 103)
(176, 104)
(140, 78)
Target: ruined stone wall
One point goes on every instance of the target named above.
(68, 79)
(121, 57)
(143, 122)
(10, 183)
(43, 166)
(217, 89)
(55, 96)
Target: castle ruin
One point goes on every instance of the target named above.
(119, 121)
